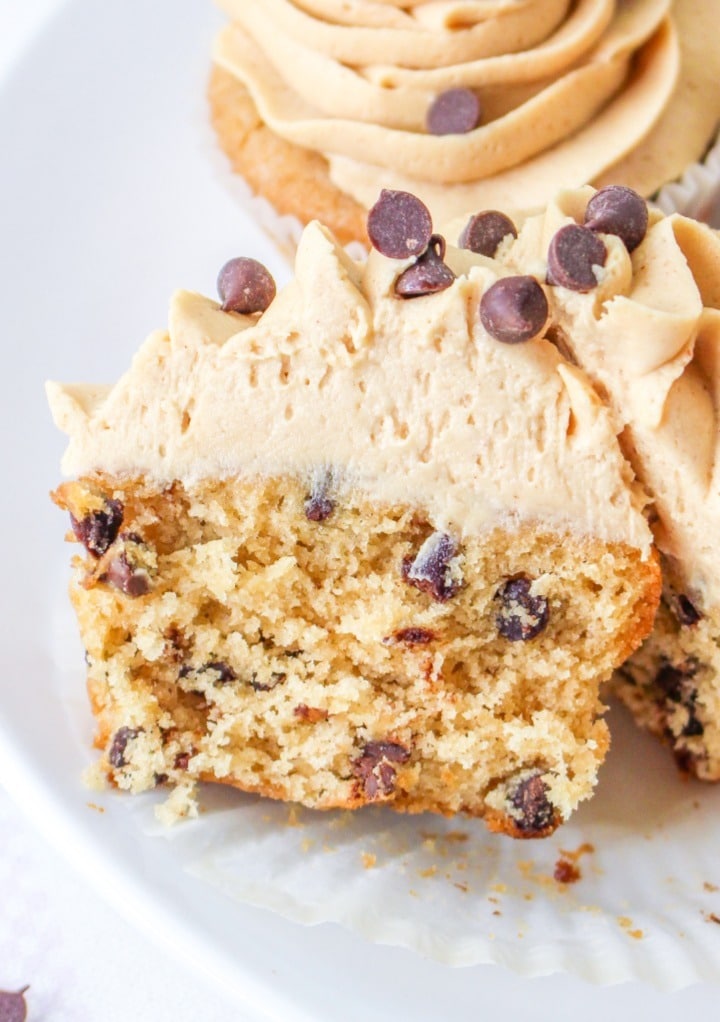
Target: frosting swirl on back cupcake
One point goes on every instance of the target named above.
(567, 90)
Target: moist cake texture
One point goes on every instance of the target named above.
(467, 105)
(370, 540)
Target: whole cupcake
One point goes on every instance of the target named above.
(321, 104)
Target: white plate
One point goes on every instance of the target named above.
(113, 194)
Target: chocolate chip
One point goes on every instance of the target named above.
(411, 637)
(428, 274)
(374, 767)
(618, 210)
(222, 673)
(245, 285)
(430, 570)
(573, 254)
(116, 755)
(454, 112)
(677, 686)
(98, 530)
(399, 225)
(12, 1005)
(514, 309)
(182, 761)
(310, 714)
(276, 678)
(685, 610)
(535, 812)
(128, 569)
(484, 232)
(521, 616)
(318, 505)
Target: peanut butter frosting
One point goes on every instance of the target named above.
(410, 400)
(649, 337)
(571, 92)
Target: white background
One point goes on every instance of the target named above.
(84, 962)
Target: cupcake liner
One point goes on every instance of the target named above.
(697, 193)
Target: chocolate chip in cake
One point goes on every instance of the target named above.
(428, 275)
(128, 570)
(222, 671)
(521, 616)
(514, 309)
(484, 232)
(374, 767)
(411, 637)
(534, 813)
(678, 687)
(573, 257)
(182, 761)
(433, 569)
(310, 714)
(399, 225)
(116, 755)
(454, 112)
(618, 210)
(274, 679)
(318, 505)
(685, 610)
(12, 1005)
(245, 285)
(97, 530)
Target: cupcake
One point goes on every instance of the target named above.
(467, 105)
(370, 540)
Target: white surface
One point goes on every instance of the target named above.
(109, 202)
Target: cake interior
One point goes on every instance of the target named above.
(304, 642)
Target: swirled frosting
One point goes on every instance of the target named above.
(593, 90)
(411, 401)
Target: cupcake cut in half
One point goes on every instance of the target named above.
(467, 105)
(370, 540)
(635, 301)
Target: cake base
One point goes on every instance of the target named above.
(313, 646)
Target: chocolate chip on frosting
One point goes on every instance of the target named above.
(454, 112)
(245, 285)
(574, 253)
(428, 275)
(514, 309)
(399, 225)
(618, 210)
(521, 616)
(484, 231)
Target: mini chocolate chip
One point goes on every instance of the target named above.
(618, 210)
(276, 678)
(182, 761)
(245, 285)
(310, 714)
(126, 577)
(454, 112)
(399, 225)
(685, 610)
(573, 254)
(514, 309)
(374, 767)
(430, 570)
(98, 530)
(224, 672)
(411, 636)
(428, 274)
(12, 1005)
(677, 686)
(536, 813)
(318, 505)
(484, 232)
(521, 616)
(116, 755)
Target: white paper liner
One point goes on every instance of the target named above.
(697, 193)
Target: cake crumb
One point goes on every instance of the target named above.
(429, 872)
(369, 860)
(95, 806)
(711, 888)
(710, 917)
